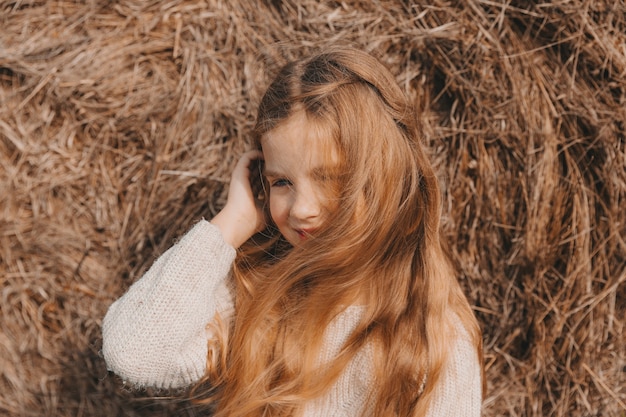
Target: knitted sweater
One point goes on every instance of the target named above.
(156, 334)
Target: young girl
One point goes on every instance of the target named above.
(328, 293)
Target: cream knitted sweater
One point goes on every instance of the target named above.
(156, 334)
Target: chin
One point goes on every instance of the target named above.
(294, 239)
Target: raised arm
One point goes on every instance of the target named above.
(156, 334)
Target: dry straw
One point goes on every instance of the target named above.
(120, 123)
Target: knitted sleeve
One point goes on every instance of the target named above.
(459, 391)
(156, 334)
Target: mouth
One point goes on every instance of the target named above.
(305, 233)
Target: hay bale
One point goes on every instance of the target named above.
(120, 123)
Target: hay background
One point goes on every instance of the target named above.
(120, 122)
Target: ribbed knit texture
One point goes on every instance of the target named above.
(156, 334)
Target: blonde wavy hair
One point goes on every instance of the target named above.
(381, 249)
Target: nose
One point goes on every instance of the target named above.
(306, 205)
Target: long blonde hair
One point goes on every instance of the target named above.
(381, 249)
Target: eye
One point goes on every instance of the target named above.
(280, 182)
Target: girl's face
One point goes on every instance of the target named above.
(299, 162)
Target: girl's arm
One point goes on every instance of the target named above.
(156, 334)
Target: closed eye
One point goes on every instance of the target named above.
(326, 174)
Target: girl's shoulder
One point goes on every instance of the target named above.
(463, 338)
(464, 348)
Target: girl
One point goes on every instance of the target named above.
(328, 293)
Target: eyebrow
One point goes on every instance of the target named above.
(317, 172)
(269, 173)
(326, 171)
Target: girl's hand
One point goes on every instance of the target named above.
(243, 214)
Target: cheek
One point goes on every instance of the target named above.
(330, 202)
(279, 209)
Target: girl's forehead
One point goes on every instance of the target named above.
(299, 140)
(300, 129)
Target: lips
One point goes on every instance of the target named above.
(305, 233)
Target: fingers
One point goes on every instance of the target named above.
(248, 157)
(243, 214)
(243, 168)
